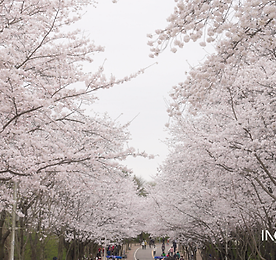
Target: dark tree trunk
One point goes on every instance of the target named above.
(61, 243)
(3, 234)
(21, 242)
(33, 244)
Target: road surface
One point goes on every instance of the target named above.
(147, 254)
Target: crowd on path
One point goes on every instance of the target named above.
(144, 243)
(172, 253)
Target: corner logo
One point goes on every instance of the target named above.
(267, 235)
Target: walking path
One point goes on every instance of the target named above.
(131, 252)
(137, 253)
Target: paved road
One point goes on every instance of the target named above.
(137, 253)
(147, 254)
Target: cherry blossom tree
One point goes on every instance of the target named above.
(196, 200)
(37, 76)
(49, 146)
(66, 188)
(222, 118)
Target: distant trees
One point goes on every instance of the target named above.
(140, 186)
(221, 169)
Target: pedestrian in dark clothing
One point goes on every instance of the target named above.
(174, 246)
(163, 248)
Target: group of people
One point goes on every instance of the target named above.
(150, 243)
(110, 250)
(144, 244)
(172, 254)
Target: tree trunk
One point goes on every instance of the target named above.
(61, 243)
(33, 244)
(75, 247)
(2, 250)
(21, 243)
(3, 234)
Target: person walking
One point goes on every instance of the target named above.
(143, 244)
(174, 246)
(171, 251)
(154, 250)
(163, 248)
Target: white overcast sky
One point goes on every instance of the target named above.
(122, 28)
